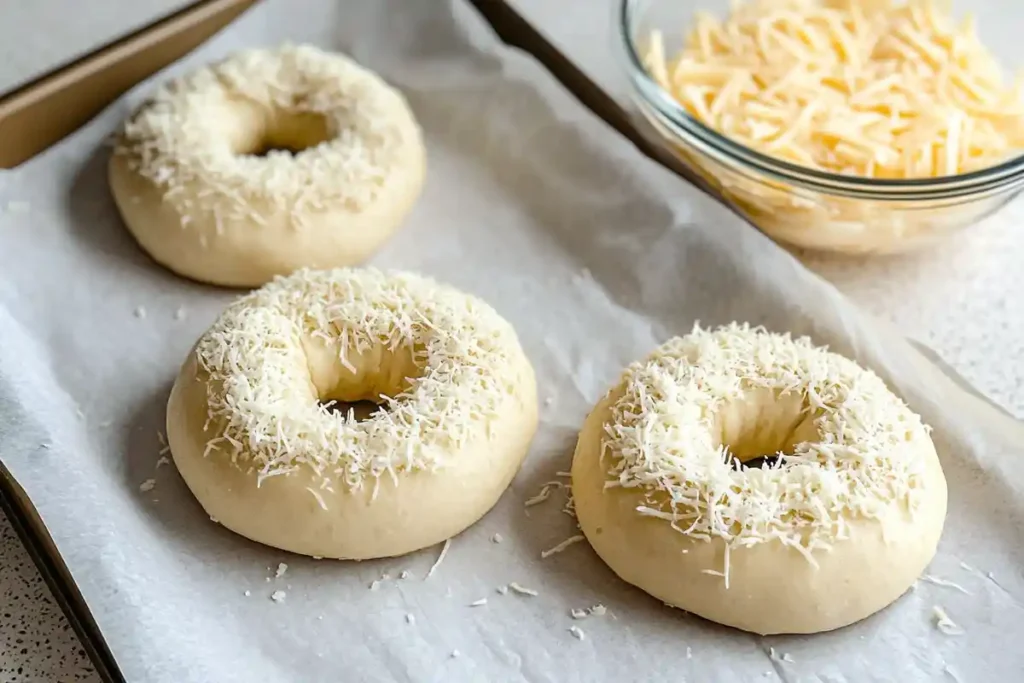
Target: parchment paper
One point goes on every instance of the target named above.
(595, 255)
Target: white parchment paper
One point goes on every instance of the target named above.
(595, 255)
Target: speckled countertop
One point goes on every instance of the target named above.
(960, 298)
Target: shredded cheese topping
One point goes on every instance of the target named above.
(872, 89)
(193, 138)
(264, 412)
(663, 438)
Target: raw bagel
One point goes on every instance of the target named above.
(252, 438)
(189, 180)
(836, 529)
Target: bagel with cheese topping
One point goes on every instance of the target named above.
(840, 513)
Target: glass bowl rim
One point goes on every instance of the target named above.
(983, 181)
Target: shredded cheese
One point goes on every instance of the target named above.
(522, 590)
(943, 582)
(264, 411)
(577, 633)
(281, 569)
(664, 439)
(185, 137)
(944, 623)
(562, 546)
(440, 559)
(884, 90)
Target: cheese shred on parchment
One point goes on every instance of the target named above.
(440, 559)
(877, 89)
(661, 440)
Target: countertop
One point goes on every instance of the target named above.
(959, 298)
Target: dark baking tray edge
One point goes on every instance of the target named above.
(47, 559)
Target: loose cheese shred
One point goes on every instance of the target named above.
(944, 623)
(522, 590)
(662, 440)
(943, 582)
(881, 90)
(439, 560)
(562, 546)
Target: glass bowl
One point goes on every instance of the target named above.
(799, 205)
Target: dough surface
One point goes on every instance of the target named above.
(253, 439)
(267, 162)
(834, 530)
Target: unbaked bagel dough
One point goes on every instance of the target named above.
(836, 529)
(189, 179)
(252, 438)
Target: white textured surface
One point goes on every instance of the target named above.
(960, 299)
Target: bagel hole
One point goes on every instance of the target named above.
(764, 427)
(361, 410)
(290, 133)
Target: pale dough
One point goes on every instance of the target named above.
(250, 437)
(857, 562)
(346, 163)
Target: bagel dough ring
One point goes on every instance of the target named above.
(189, 182)
(253, 440)
(835, 530)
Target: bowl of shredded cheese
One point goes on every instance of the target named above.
(857, 126)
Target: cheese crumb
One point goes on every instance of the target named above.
(579, 613)
(577, 633)
(278, 596)
(598, 610)
(548, 401)
(478, 603)
(147, 485)
(689, 652)
(248, 593)
(281, 569)
(405, 574)
(496, 538)
(179, 314)
(561, 546)
(140, 312)
(502, 590)
(516, 588)
(410, 618)
(944, 623)
(162, 460)
(374, 585)
(455, 654)
(943, 582)
(439, 560)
